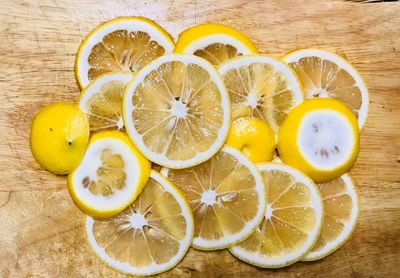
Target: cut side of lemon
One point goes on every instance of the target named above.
(327, 75)
(121, 44)
(151, 236)
(292, 222)
(216, 43)
(227, 196)
(340, 216)
(101, 101)
(320, 137)
(262, 87)
(177, 111)
(110, 176)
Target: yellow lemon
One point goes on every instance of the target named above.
(254, 137)
(59, 136)
(321, 138)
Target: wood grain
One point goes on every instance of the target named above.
(41, 231)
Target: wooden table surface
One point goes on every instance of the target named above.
(41, 231)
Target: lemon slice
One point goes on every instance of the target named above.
(177, 111)
(151, 236)
(227, 195)
(292, 221)
(262, 87)
(320, 137)
(101, 101)
(111, 175)
(340, 216)
(327, 75)
(216, 43)
(121, 44)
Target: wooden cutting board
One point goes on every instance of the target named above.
(41, 231)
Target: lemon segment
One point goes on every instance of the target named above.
(261, 87)
(176, 111)
(321, 138)
(120, 44)
(110, 177)
(292, 221)
(59, 136)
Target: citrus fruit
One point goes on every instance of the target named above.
(327, 75)
(101, 101)
(110, 177)
(262, 87)
(216, 43)
(254, 137)
(176, 111)
(340, 216)
(120, 44)
(292, 221)
(151, 236)
(59, 136)
(227, 196)
(320, 137)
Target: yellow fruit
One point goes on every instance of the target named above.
(292, 222)
(151, 236)
(121, 44)
(59, 136)
(227, 196)
(262, 87)
(327, 75)
(176, 111)
(321, 138)
(254, 138)
(216, 43)
(340, 216)
(110, 177)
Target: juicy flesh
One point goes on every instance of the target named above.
(149, 231)
(222, 194)
(258, 90)
(104, 107)
(110, 175)
(288, 220)
(177, 110)
(322, 78)
(338, 207)
(217, 53)
(122, 51)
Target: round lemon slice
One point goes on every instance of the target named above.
(176, 111)
(327, 75)
(151, 236)
(292, 222)
(227, 196)
(101, 101)
(321, 138)
(340, 216)
(121, 44)
(110, 176)
(216, 43)
(262, 87)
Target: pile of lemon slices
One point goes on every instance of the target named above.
(206, 143)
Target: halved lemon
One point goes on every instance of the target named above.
(120, 44)
(262, 87)
(101, 101)
(292, 221)
(216, 43)
(340, 216)
(321, 138)
(177, 111)
(327, 75)
(110, 176)
(151, 236)
(227, 196)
